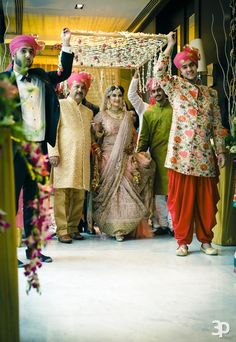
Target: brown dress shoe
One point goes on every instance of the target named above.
(77, 236)
(65, 238)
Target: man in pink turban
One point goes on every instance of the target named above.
(24, 40)
(39, 112)
(80, 77)
(84, 78)
(188, 53)
(70, 159)
(193, 173)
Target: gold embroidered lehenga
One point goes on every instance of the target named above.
(124, 192)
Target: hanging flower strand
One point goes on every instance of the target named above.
(37, 166)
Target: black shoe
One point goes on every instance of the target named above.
(43, 258)
(20, 264)
(170, 232)
(161, 231)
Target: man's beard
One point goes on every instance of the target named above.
(20, 64)
(159, 98)
(81, 96)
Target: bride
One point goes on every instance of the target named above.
(123, 189)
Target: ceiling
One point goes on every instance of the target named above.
(92, 8)
(46, 18)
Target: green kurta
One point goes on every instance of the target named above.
(155, 135)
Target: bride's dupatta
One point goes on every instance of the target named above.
(114, 183)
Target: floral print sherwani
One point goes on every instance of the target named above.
(196, 119)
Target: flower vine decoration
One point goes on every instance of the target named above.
(115, 49)
(37, 166)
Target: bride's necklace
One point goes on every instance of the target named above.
(116, 114)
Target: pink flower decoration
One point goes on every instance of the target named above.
(189, 133)
(183, 154)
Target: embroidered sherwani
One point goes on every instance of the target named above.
(196, 119)
(72, 146)
(72, 176)
(192, 190)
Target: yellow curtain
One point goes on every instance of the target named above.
(9, 306)
(225, 231)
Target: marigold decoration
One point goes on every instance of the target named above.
(115, 49)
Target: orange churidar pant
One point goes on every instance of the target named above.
(192, 203)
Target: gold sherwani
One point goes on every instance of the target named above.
(72, 146)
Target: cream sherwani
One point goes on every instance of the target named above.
(72, 176)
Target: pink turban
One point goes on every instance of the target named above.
(20, 41)
(152, 83)
(80, 77)
(188, 53)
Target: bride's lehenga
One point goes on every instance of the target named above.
(124, 193)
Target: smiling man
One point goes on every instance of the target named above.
(70, 158)
(192, 189)
(154, 136)
(39, 112)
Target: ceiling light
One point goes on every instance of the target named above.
(79, 6)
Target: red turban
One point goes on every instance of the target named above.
(20, 41)
(188, 53)
(152, 83)
(80, 77)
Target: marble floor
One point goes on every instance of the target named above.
(132, 291)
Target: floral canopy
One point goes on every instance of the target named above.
(115, 49)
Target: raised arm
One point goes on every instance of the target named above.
(66, 60)
(139, 105)
(171, 41)
(167, 82)
(163, 60)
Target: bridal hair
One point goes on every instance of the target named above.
(108, 92)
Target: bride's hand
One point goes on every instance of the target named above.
(97, 127)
